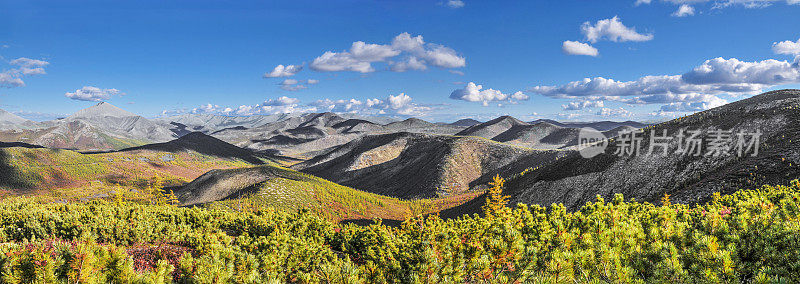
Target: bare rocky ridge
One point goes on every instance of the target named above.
(100, 127)
(574, 180)
(415, 165)
(10, 121)
(598, 125)
(309, 135)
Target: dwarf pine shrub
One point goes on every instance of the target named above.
(748, 236)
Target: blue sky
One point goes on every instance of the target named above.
(169, 57)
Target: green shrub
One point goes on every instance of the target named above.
(749, 236)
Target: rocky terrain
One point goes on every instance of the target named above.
(10, 121)
(574, 180)
(100, 127)
(415, 165)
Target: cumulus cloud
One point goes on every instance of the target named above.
(295, 85)
(611, 112)
(684, 11)
(454, 4)
(613, 30)
(206, 108)
(400, 104)
(700, 86)
(279, 105)
(395, 105)
(282, 101)
(787, 47)
(582, 105)
(283, 71)
(22, 67)
(412, 63)
(719, 4)
(475, 93)
(578, 48)
(89, 93)
(361, 55)
(687, 106)
(735, 73)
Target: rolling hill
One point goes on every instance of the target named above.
(289, 190)
(491, 128)
(414, 165)
(65, 174)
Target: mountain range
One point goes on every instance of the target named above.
(414, 159)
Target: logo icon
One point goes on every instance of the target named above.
(591, 142)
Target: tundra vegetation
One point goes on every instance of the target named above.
(749, 236)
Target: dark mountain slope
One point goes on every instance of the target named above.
(574, 180)
(467, 122)
(542, 135)
(204, 144)
(410, 165)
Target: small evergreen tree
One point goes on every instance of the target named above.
(495, 200)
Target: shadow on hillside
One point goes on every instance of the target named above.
(9, 176)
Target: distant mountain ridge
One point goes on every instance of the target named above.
(107, 127)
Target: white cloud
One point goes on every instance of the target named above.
(683, 11)
(787, 47)
(207, 108)
(295, 85)
(735, 73)
(282, 101)
(271, 106)
(412, 63)
(89, 93)
(520, 96)
(700, 86)
(283, 71)
(613, 30)
(344, 61)
(454, 4)
(719, 4)
(578, 48)
(687, 106)
(456, 72)
(618, 112)
(400, 104)
(29, 66)
(475, 93)
(361, 55)
(11, 78)
(582, 105)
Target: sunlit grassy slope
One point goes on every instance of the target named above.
(289, 190)
(56, 173)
